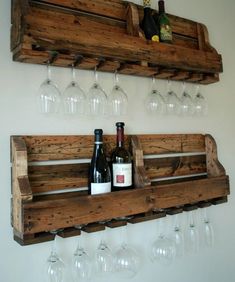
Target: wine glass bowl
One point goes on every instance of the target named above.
(118, 100)
(154, 102)
(191, 235)
(200, 103)
(48, 95)
(97, 99)
(74, 98)
(187, 105)
(126, 262)
(207, 230)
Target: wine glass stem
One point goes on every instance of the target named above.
(48, 72)
(73, 74)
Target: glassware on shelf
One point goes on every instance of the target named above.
(178, 237)
(74, 98)
(118, 100)
(82, 263)
(103, 259)
(154, 102)
(48, 96)
(126, 258)
(191, 234)
(200, 103)
(55, 267)
(163, 249)
(207, 230)
(97, 98)
(187, 105)
(172, 101)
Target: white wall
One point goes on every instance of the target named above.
(18, 115)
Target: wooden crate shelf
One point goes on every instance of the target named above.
(172, 173)
(106, 35)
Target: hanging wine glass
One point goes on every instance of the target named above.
(207, 230)
(97, 98)
(178, 237)
(172, 101)
(74, 98)
(126, 258)
(187, 105)
(163, 249)
(191, 234)
(48, 96)
(118, 100)
(103, 259)
(154, 102)
(200, 103)
(55, 267)
(82, 263)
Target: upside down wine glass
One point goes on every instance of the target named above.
(154, 102)
(97, 98)
(172, 101)
(48, 96)
(55, 267)
(200, 103)
(74, 98)
(118, 100)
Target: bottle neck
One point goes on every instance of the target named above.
(120, 137)
(161, 7)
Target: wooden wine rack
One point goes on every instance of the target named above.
(172, 173)
(106, 34)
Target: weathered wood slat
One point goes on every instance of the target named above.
(175, 166)
(58, 177)
(172, 143)
(48, 215)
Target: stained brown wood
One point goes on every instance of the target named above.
(109, 30)
(172, 143)
(214, 167)
(175, 166)
(47, 215)
(37, 169)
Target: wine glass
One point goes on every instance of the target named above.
(118, 100)
(154, 102)
(97, 98)
(163, 249)
(48, 95)
(103, 259)
(172, 101)
(207, 230)
(74, 98)
(178, 237)
(126, 258)
(187, 105)
(55, 267)
(200, 103)
(82, 263)
(191, 234)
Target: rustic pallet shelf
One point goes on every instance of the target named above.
(172, 174)
(105, 34)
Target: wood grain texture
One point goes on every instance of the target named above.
(48, 215)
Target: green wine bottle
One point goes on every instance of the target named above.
(165, 30)
(148, 24)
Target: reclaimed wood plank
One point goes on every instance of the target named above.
(49, 215)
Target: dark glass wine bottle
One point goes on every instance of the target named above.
(121, 163)
(148, 24)
(165, 30)
(99, 174)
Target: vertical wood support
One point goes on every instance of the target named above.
(140, 177)
(21, 191)
(214, 167)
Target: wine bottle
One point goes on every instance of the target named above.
(99, 174)
(148, 24)
(165, 30)
(121, 163)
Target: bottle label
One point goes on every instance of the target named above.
(122, 175)
(100, 188)
(166, 33)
